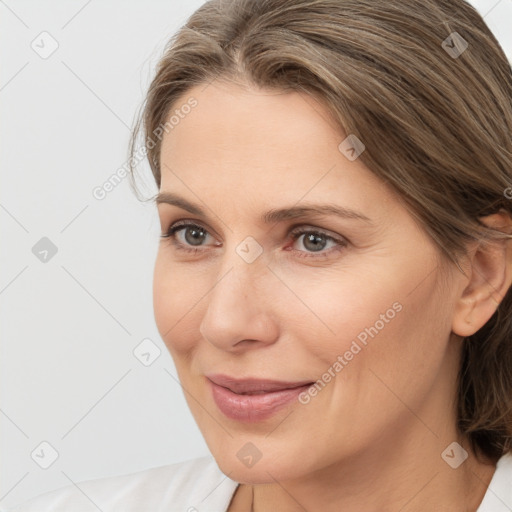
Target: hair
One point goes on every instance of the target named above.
(436, 125)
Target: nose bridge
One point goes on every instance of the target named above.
(240, 278)
(244, 264)
(237, 305)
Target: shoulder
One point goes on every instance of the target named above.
(193, 485)
(498, 497)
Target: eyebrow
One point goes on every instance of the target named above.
(271, 216)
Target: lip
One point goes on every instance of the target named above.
(251, 400)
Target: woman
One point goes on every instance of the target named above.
(333, 279)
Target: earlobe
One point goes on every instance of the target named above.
(488, 276)
(472, 313)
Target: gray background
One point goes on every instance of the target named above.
(69, 325)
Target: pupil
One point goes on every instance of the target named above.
(193, 240)
(317, 240)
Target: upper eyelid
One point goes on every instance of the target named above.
(296, 225)
(186, 223)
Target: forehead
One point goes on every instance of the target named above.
(231, 117)
(254, 143)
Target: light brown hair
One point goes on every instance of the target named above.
(437, 127)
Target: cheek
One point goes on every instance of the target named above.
(373, 320)
(410, 339)
(175, 301)
(343, 306)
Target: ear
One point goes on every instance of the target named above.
(488, 277)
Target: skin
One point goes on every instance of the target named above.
(372, 439)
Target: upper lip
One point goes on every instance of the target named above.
(249, 385)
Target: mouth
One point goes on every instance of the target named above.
(251, 400)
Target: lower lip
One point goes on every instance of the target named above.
(252, 408)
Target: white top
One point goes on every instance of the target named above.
(196, 485)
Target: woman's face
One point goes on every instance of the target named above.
(254, 310)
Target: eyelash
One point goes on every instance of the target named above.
(295, 234)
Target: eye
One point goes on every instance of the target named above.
(189, 237)
(315, 241)
(186, 235)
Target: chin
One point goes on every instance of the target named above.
(261, 473)
(266, 470)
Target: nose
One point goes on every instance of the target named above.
(239, 313)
